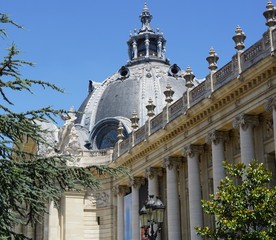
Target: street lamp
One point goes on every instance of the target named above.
(151, 215)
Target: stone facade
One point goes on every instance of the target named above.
(178, 153)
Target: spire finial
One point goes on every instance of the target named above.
(146, 18)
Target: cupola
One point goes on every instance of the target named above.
(146, 43)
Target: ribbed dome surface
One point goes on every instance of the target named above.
(121, 97)
(146, 76)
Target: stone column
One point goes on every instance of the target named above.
(120, 192)
(196, 219)
(135, 185)
(173, 210)
(270, 105)
(134, 47)
(159, 48)
(147, 43)
(246, 123)
(217, 139)
(152, 174)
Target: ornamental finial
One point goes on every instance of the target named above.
(212, 60)
(239, 38)
(150, 107)
(146, 18)
(269, 14)
(189, 77)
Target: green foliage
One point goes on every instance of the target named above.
(244, 206)
(28, 180)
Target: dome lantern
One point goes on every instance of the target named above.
(146, 43)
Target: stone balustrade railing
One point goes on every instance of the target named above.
(102, 156)
(227, 73)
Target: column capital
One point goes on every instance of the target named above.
(151, 172)
(245, 120)
(270, 103)
(136, 182)
(216, 137)
(121, 190)
(170, 162)
(191, 149)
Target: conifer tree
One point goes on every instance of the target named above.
(29, 180)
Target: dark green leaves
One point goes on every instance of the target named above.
(244, 206)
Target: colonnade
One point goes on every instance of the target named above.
(192, 152)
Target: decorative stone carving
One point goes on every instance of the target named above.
(137, 182)
(235, 139)
(217, 136)
(73, 148)
(102, 199)
(212, 60)
(170, 162)
(63, 135)
(121, 190)
(269, 14)
(153, 171)
(191, 149)
(239, 38)
(90, 201)
(97, 199)
(270, 104)
(268, 128)
(244, 121)
(46, 150)
(73, 145)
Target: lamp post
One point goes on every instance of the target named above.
(151, 215)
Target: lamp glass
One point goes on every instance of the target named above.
(159, 215)
(159, 210)
(144, 216)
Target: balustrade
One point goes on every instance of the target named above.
(227, 73)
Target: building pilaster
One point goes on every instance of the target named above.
(120, 191)
(73, 226)
(270, 105)
(53, 225)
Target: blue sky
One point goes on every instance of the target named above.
(73, 42)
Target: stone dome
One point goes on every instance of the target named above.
(145, 76)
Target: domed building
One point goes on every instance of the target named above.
(172, 132)
(145, 77)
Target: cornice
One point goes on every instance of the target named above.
(203, 111)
